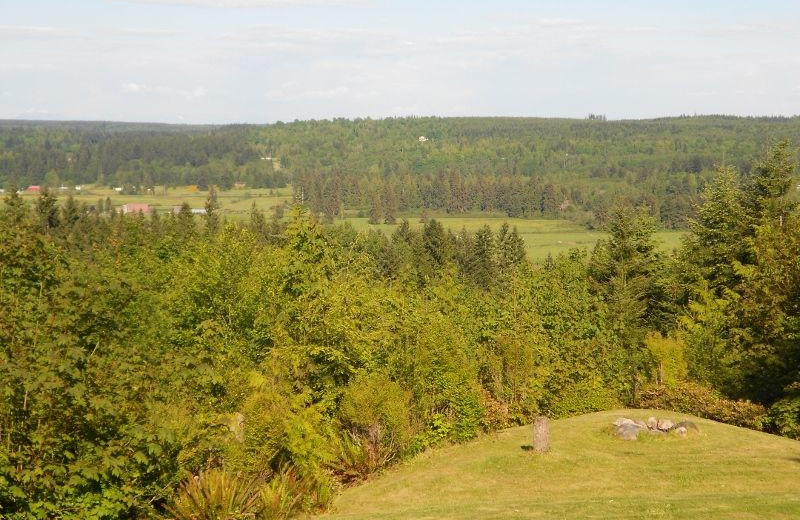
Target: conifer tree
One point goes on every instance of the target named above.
(15, 209)
(47, 211)
(212, 216)
(510, 247)
(435, 242)
(375, 209)
(481, 258)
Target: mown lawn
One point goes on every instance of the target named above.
(725, 472)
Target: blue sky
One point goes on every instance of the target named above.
(223, 61)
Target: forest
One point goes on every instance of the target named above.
(283, 358)
(519, 167)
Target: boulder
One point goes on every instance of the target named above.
(665, 424)
(680, 431)
(658, 433)
(652, 423)
(641, 424)
(629, 432)
(623, 420)
(688, 425)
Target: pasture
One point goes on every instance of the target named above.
(542, 237)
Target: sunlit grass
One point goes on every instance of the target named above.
(726, 472)
(542, 237)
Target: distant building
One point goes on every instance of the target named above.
(117, 189)
(239, 185)
(135, 207)
(195, 211)
(422, 139)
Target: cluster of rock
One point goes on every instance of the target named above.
(629, 429)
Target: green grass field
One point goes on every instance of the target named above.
(725, 472)
(542, 237)
(235, 204)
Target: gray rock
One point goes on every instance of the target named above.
(680, 431)
(629, 432)
(652, 423)
(688, 425)
(665, 424)
(641, 424)
(657, 433)
(623, 420)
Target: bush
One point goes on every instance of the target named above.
(702, 401)
(580, 398)
(217, 495)
(220, 495)
(784, 415)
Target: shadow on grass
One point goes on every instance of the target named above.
(527, 447)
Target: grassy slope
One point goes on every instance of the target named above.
(726, 472)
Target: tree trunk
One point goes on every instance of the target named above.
(541, 435)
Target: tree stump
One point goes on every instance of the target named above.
(541, 435)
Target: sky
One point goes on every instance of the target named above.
(260, 61)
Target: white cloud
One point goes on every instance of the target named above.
(143, 89)
(36, 31)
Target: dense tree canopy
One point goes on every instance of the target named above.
(146, 358)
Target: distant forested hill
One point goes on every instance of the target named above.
(523, 167)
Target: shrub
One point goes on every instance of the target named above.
(220, 495)
(700, 400)
(579, 398)
(217, 495)
(784, 415)
(288, 493)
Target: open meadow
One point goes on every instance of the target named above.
(542, 237)
(725, 472)
(234, 204)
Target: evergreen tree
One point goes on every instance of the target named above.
(435, 242)
(623, 270)
(510, 247)
(481, 265)
(257, 223)
(15, 210)
(389, 204)
(212, 216)
(47, 211)
(768, 184)
(375, 209)
(70, 212)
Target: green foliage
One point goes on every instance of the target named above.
(217, 495)
(276, 356)
(668, 353)
(582, 397)
(701, 400)
(374, 413)
(784, 414)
